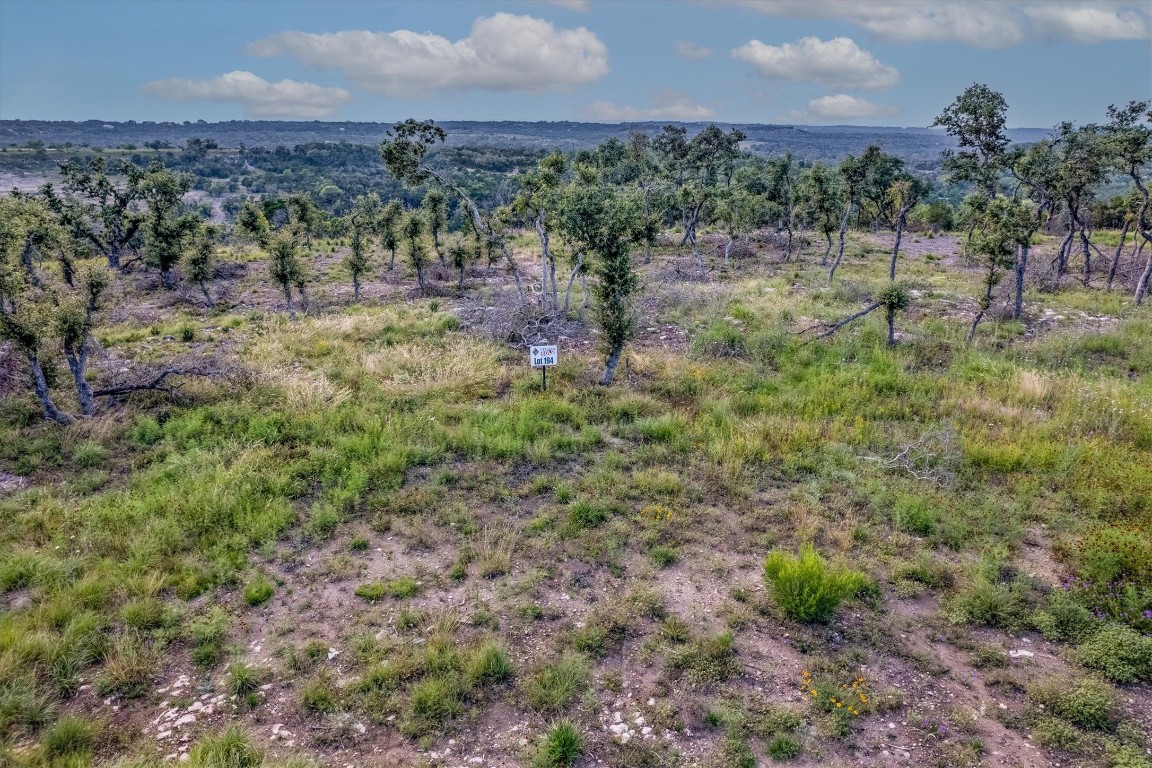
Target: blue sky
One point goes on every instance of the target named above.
(893, 62)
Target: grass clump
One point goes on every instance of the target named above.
(989, 603)
(783, 748)
(258, 591)
(560, 747)
(432, 702)
(229, 749)
(319, 695)
(207, 634)
(488, 664)
(553, 686)
(806, 587)
(401, 588)
(130, 665)
(243, 679)
(69, 736)
(1087, 704)
(708, 660)
(1120, 653)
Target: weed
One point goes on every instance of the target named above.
(432, 702)
(806, 587)
(207, 634)
(319, 694)
(400, 588)
(664, 556)
(783, 748)
(243, 679)
(130, 665)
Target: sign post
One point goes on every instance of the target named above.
(542, 356)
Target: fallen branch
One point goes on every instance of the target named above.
(156, 384)
(831, 329)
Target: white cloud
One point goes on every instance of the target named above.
(1089, 23)
(981, 23)
(580, 6)
(839, 107)
(286, 98)
(667, 105)
(838, 63)
(503, 52)
(688, 50)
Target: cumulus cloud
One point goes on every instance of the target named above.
(838, 63)
(502, 52)
(975, 22)
(260, 98)
(688, 50)
(667, 105)
(839, 107)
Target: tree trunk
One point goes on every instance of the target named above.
(572, 279)
(1065, 248)
(1021, 272)
(728, 248)
(1142, 284)
(392, 263)
(975, 322)
(900, 221)
(207, 297)
(1116, 259)
(40, 387)
(166, 279)
(420, 276)
(114, 255)
(1086, 246)
(584, 291)
(610, 365)
(545, 256)
(891, 325)
(288, 299)
(78, 363)
(26, 261)
(355, 288)
(828, 250)
(843, 232)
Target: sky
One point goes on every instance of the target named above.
(827, 62)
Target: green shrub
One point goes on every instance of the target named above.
(552, 687)
(69, 735)
(806, 587)
(1122, 654)
(560, 748)
(258, 591)
(1054, 732)
(1062, 618)
(229, 749)
(145, 431)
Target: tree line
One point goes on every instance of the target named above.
(590, 211)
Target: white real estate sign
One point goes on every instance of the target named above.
(543, 355)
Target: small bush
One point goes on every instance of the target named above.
(229, 749)
(1120, 653)
(806, 587)
(258, 591)
(146, 431)
(560, 748)
(1062, 618)
(553, 686)
(69, 736)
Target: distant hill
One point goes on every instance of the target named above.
(920, 147)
